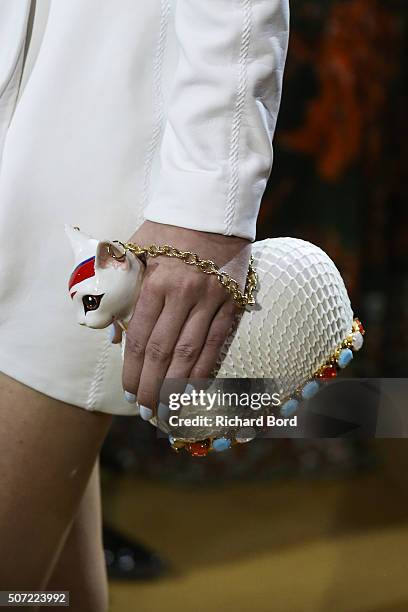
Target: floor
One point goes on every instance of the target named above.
(284, 546)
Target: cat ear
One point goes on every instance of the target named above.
(104, 257)
(83, 245)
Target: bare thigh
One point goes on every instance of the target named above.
(48, 450)
(80, 568)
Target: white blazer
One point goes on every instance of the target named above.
(111, 112)
(206, 80)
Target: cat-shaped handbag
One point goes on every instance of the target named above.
(300, 331)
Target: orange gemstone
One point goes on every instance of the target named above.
(199, 449)
(327, 372)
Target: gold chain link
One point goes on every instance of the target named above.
(205, 265)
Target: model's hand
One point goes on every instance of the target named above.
(182, 316)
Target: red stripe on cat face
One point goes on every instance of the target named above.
(84, 270)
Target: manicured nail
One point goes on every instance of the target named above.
(189, 388)
(129, 397)
(111, 332)
(145, 413)
(163, 412)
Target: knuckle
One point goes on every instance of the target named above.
(187, 284)
(214, 286)
(157, 353)
(134, 347)
(231, 310)
(152, 287)
(201, 371)
(186, 352)
(216, 338)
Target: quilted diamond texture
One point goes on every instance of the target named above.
(303, 313)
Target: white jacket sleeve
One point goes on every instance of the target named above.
(13, 31)
(216, 151)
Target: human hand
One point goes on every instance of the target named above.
(182, 316)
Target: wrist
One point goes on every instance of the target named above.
(207, 245)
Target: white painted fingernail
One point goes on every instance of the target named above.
(163, 412)
(111, 332)
(145, 413)
(129, 397)
(189, 388)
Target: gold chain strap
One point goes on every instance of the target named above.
(205, 265)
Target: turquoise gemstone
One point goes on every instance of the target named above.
(345, 357)
(289, 407)
(221, 444)
(171, 439)
(310, 389)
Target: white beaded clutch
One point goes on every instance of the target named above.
(300, 331)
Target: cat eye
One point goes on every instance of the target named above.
(91, 302)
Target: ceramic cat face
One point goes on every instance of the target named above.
(102, 288)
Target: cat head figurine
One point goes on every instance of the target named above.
(102, 288)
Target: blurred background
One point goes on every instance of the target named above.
(296, 525)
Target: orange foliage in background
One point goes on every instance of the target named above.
(343, 122)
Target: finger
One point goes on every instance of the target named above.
(115, 333)
(221, 327)
(144, 318)
(158, 354)
(191, 340)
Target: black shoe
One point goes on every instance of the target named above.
(129, 560)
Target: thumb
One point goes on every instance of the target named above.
(115, 333)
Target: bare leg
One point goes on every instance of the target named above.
(81, 568)
(48, 450)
